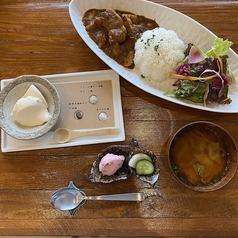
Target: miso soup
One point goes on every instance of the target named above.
(199, 157)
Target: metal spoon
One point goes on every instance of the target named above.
(69, 198)
(63, 135)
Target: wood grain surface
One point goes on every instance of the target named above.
(38, 37)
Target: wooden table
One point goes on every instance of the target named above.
(37, 37)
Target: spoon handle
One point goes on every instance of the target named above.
(119, 197)
(103, 131)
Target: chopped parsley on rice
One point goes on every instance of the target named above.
(157, 53)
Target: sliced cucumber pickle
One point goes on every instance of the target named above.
(136, 157)
(144, 167)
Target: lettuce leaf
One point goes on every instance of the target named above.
(229, 72)
(220, 46)
(189, 90)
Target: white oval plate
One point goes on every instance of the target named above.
(187, 29)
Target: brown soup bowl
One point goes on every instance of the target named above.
(202, 156)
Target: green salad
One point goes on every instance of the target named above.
(204, 77)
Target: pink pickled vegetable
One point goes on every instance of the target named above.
(110, 163)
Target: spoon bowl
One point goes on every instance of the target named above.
(66, 199)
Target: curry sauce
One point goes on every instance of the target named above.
(115, 32)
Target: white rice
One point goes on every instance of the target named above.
(157, 54)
